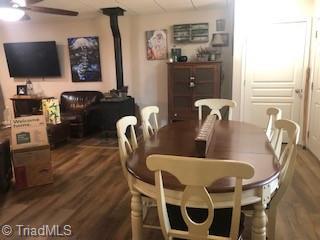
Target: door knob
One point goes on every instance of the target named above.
(299, 91)
(192, 84)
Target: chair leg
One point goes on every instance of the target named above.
(147, 204)
(271, 227)
(136, 215)
(144, 209)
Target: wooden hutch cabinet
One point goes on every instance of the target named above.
(188, 82)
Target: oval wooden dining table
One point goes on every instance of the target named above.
(230, 140)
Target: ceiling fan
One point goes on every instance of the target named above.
(14, 10)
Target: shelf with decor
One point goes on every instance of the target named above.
(191, 33)
(181, 33)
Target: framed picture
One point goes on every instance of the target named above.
(220, 25)
(21, 89)
(85, 59)
(220, 39)
(157, 48)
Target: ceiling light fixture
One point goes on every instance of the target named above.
(11, 13)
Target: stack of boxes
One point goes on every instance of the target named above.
(31, 151)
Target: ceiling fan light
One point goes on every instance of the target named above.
(11, 14)
(21, 3)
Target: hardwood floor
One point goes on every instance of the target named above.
(90, 194)
(299, 210)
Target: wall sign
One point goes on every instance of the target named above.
(29, 131)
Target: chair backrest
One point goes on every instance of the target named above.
(147, 128)
(274, 114)
(215, 104)
(79, 100)
(126, 147)
(197, 174)
(287, 158)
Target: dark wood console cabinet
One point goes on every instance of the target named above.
(188, 82)
(26, 105)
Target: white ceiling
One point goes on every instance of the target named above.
(90, 8)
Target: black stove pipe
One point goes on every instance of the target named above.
(113, 13)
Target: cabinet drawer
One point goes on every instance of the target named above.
(188, 82)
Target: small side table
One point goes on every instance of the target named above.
(25, 105)
(58, 133)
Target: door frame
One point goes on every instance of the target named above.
(313, 56)
(306, 64)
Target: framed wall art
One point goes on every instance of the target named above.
(22, 90)
(85, 59)
(157, 48)
(220, 25)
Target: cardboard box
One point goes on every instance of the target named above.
(32, 166)
(29, 132)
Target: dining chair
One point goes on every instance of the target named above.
(196, 175)
(287, 165)
(274, 138)
(147, 128)
(215, 104)
(126, 147)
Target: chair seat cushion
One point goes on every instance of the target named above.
(72, 117)
(221, 223)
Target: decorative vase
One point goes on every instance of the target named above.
(203, 58)
(29, 87)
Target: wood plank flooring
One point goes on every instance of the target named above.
(90, 194)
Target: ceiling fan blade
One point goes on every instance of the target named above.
(56, 11)
(30, 2)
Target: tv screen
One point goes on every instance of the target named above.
(32, 59)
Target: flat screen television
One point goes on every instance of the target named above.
(32, 59)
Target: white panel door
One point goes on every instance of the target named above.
(314, 127)
(274, 71)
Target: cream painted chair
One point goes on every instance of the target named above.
(272, 133)
(147, 128)
(215, 104)
(197, 174)
(287, 162)
(126, 147)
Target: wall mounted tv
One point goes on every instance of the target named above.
(32, 59)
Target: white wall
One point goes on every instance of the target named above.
(147, 80)
(60, 32)
(150, 77)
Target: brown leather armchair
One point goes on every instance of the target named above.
(82, 110)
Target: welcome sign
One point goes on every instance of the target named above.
(29, 131)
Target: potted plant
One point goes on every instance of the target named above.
(206, 54)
